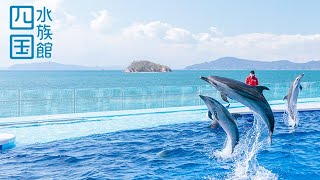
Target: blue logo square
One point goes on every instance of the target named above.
(21, 46)
(21, 17)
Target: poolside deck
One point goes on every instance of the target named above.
(31, 129)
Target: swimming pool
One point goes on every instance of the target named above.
(163, 145)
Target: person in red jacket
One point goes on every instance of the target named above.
(252, 80)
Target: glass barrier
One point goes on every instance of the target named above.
(64, 101)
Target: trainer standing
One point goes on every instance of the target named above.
(252, 80)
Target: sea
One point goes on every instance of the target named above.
(108, 79)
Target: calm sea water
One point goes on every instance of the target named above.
(106, 79)
(177, 151)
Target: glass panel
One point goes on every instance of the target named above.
(61, 101)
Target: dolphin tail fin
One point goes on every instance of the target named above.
(300, 88)
(285, 98)
(261, 88)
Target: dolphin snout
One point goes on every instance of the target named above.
(204, 78)
(202, 97)
(300, 76)
(206, 99)
(212, 80)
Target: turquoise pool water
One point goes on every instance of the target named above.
(162, 150)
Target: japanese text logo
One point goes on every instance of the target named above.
(24, 22)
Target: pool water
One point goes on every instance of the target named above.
(174, 151)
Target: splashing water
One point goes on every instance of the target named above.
(288, 120)
(291, 122)
(246, 165)
(226, 152)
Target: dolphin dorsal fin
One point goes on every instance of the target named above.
(261, 88)
(224, 97)
(300, 88)
(286, 97)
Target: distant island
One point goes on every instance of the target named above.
(232, 63)
(53, 66)
(146, 66)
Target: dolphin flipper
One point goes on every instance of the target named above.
(300, 88)
(227, 107)
(285, 98)
(214, 124)
(224, 97)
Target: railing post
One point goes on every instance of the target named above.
(162, 96)
(19, 102)
(200, 92)
(122, 98)
(74, 100)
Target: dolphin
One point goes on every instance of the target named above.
(224, 118)
(292, 98)
(250, 96)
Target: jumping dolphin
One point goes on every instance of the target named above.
(250, 96)
(292, 98)
(224, 118)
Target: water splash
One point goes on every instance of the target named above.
(289, 121)
(226, 152)
(246, 165)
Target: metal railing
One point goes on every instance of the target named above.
(65, 101)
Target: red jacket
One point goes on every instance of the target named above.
(252, 81)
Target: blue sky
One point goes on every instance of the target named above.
(233, 17)
(176, 33)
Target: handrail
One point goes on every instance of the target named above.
(76, 100)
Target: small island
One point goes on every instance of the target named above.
(146, 66)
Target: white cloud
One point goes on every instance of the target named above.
(168, 32)
(158, 30)
(102, 21)
(178, 35)
(154, 29)
(178, 47)
(65, 21)
(215, 31)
